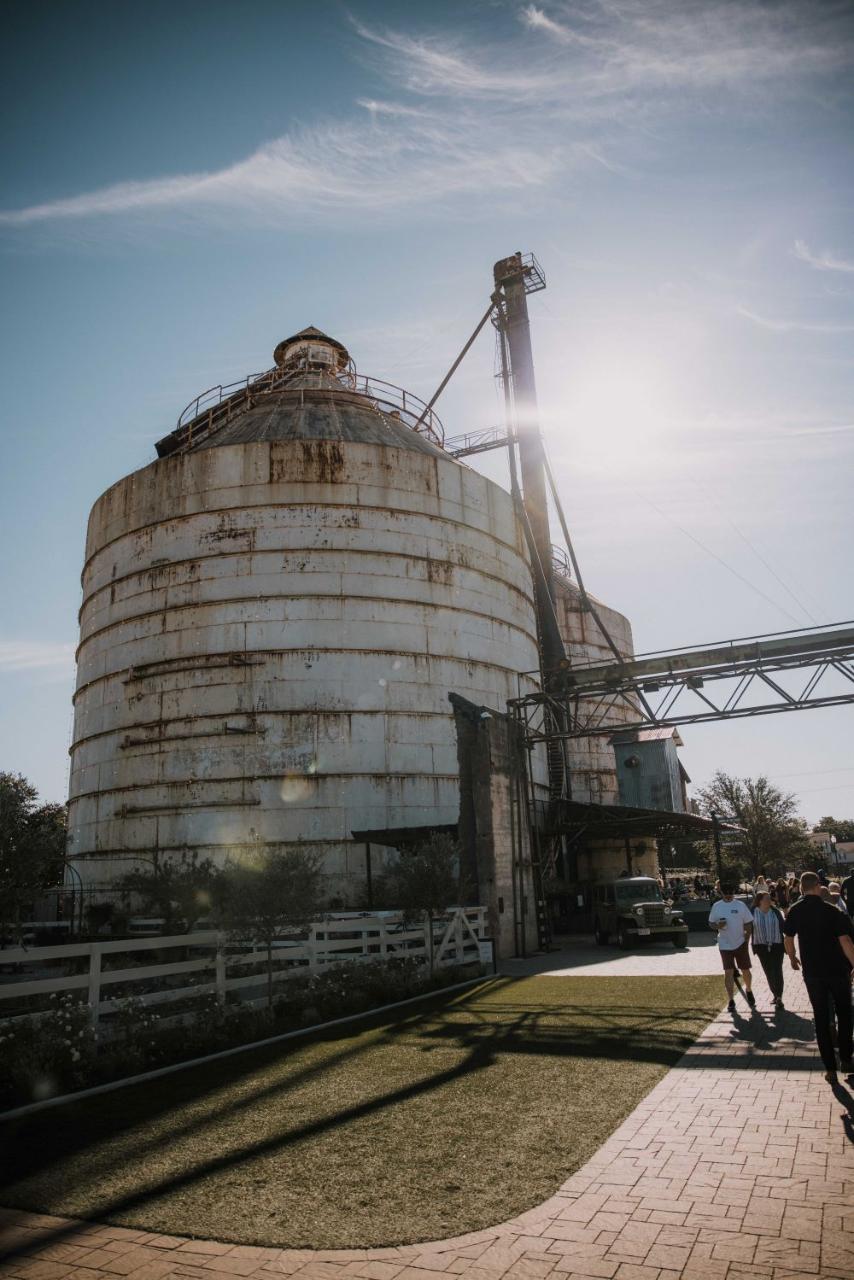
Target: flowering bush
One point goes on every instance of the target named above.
(48, 1054)
(60, 1052)
(134, 1043)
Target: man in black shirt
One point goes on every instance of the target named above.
(827, 957)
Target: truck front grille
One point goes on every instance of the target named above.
(653, 915)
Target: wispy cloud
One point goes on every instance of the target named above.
(35, 655)
(537, 20)
(824, 261)
(379, 166)
(472, 117)
(379, 108)
(793, 326)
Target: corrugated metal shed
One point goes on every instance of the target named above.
(648, 769)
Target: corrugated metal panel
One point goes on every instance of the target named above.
(269, 633)
(653, 782)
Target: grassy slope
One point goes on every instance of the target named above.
(450, 1119)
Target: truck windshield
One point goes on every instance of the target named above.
(638, 891)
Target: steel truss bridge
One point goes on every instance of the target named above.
(758, 675)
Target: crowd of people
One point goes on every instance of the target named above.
(814, 911)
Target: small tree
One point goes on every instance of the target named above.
(177, 891)
(773, 838)
(32, 849)
(425, 882)
(842, 828)
(262, 898)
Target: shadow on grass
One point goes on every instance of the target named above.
(481, 1027)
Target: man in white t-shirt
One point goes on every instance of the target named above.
(733, 923)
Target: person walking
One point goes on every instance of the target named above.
(782, 894)
(827, 957)
(836, 899)
(734, 924)
(848, 892)
(768, 944)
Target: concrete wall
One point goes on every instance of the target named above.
(495, 846)
(268, 636)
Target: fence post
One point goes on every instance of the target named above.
(94, 992)
(219, 969)
(458, 936)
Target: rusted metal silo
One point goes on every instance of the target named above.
(273, 615)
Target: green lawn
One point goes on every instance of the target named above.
(449, 1119)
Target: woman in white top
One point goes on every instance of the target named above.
(768, 943)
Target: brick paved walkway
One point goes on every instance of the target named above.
(739, 1164)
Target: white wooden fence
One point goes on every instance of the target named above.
(214, 960)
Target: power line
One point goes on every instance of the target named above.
(761, 558)
(715, 556)
(813, 773)
(811, 791)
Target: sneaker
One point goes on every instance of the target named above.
(846, 1065)
(731, 1007)
(750, 998)
(778, 1004)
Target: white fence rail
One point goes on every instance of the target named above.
(456, 940)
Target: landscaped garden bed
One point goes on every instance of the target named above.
(60, 1051)
(442, 1118)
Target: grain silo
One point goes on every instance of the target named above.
(274, 613)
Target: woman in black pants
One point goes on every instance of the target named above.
(768, 944)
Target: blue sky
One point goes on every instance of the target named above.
(186, 184)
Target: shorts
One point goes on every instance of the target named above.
(737, 959)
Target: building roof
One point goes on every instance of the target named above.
(314, 406)
(309, 332)
(311, 393)
(647, 735)
(574, 818)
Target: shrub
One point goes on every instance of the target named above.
(57, 1053)
(48, 1054)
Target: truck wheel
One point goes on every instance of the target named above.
(680, 944)
(624, 940)
(601, 935)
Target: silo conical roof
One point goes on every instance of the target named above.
(312, 393)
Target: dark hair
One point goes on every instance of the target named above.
(727, 887)
(763, 893)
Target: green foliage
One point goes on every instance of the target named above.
(32, 849)
(426, 881)
(44, 1056)
(774, 838)
(99, 914)
(842, 828)
(262, 899)
(179, 891)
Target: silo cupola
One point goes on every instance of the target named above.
(311, 349)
